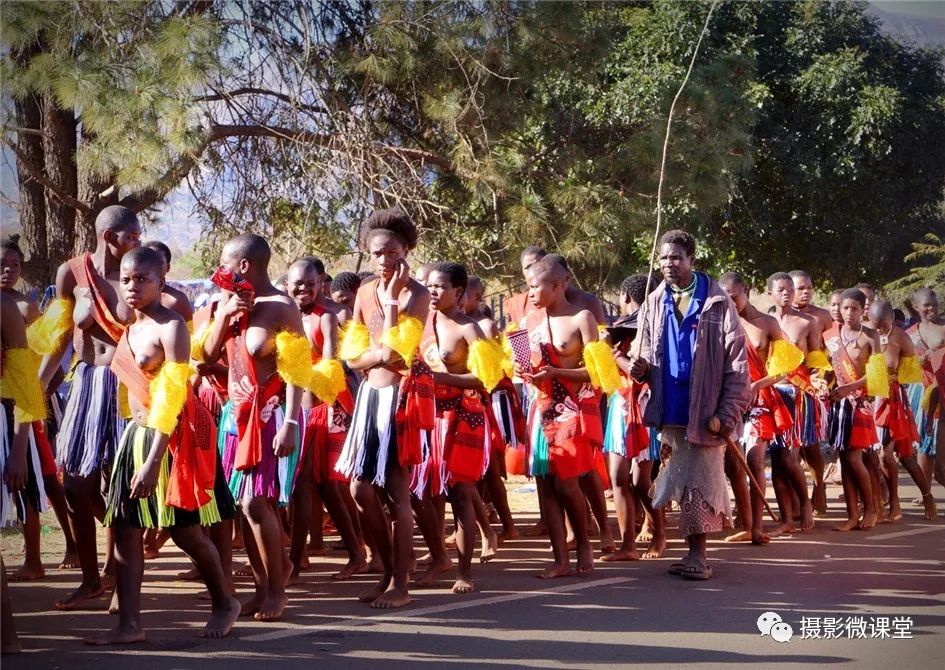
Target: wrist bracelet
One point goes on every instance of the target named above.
(292, 421)
(390, 303)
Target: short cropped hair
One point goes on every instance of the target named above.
(779, 276)
(456, 273)
(161, 248)
(345, 281)
(145, 256)
(635, 287)
(854, 294)
(682, 238)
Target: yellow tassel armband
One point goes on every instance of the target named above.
(404, 338)
(910, 371)
(294, 359)
(485, 363)
(818, 360)
(601, 366)
(45, 334)
(20, 382)
(877, 377)
(355, 341)
(190, 327)
(168, 392)
(328, 380)
(124, 407)
(784, 357)
(198, 340)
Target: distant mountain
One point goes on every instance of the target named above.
(922, 23)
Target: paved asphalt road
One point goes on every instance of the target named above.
(622, 614)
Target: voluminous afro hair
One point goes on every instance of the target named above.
(12, 243)
(393, 221)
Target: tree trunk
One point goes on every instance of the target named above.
(37, 270)
(59, 144)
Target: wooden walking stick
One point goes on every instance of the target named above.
(740, 457)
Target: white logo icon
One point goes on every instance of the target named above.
(770, 623)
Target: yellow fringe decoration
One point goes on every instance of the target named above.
(45, 334)
(485, 361)
(168, 392)
(294, 359)
(20, 382)
(877, 377)
(328, 380)
(910, 371)
(601, 366)
(190, 328)
(508, 366)
(818, 360)
(355, 341)
(198, 340)
(927, 398)
(404, 338)
(783, 358)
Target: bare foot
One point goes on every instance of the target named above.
(786, 527)
(221, 620)
(149, 554)
(555, 571)
(252, 605)
(463, 585)
(353, 567)
(189, 575)
(819, 500)
(868, 521)
(508, 535)
(537, 530)
(70, 561)
(374, 592)
(490, 543)
(392, 598)
(656, 547)
(760, 537)
(80, 595)
(113, 603)
(317, 550)
(271, 607)
(929, 503)
(895, 512)
(450, 541)
(742, 536)
(846, 527)
(28, 573)
(245, 571)
(621, 555)
(424, 561)
(645, 534)
(117, 635)
(430, 574)
(807, 517)
(585, 560)
(205, 594)
(293, 576)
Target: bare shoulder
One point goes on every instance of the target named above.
(417, 290)
(769, 324)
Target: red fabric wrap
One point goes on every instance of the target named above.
(86, 276)
(569, 411)
(192, 445)
(637, 436)
(249, 400)
(416, 411)
(47, 460)
(895, 413)
(778, 418)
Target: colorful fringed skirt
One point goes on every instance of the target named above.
(852, 425)
(625, 434)
(273, 477)
(91, 427)
(153, 512)
(13, 505)
(326, 428)
(371, 444)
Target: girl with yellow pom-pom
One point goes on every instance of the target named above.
(394, 406)
(164, 469)
(855, 354)
(570, 367)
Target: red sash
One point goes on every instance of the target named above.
(216, 382)
(768, 397)
(86, 276)
(895, 413)
(250, 399)
(193, 444)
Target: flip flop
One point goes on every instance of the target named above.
(677, 568)
(697, 571)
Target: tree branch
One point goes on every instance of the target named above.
(252, 90)
(57, 191)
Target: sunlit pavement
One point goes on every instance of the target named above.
(843, 585)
